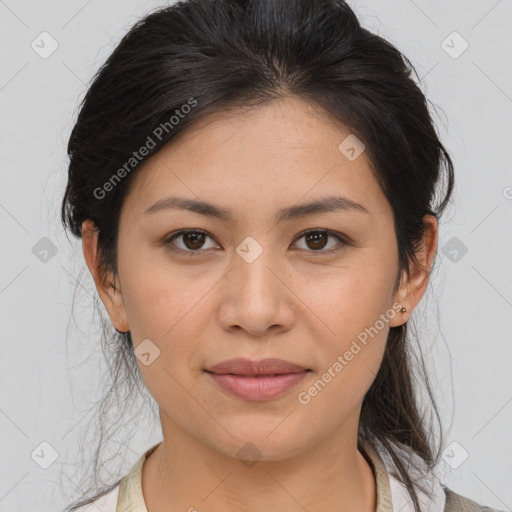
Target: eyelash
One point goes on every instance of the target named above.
(168, 241)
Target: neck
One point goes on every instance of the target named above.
(187, 474)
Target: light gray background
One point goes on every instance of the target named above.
(47, 383)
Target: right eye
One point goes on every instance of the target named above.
(192, 241)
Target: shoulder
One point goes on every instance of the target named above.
(457, 503)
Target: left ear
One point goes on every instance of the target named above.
(412, 290)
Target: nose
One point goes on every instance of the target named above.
(257, 296)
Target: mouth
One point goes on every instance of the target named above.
(257, 380)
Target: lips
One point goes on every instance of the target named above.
(257, 380)
(241, 366)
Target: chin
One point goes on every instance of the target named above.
(260, 443)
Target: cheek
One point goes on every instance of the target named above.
(354, 307)
(160, 309)
(160, 297)
(166, 308)
(357, 313)
(351, 299)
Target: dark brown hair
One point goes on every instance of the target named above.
(214, 55)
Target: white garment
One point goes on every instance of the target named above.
(400, 497)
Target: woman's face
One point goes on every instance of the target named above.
(254, 284)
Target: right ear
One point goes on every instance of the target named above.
(109, 289)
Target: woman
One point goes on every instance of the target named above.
(254, 185)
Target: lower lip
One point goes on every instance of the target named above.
(257, 388)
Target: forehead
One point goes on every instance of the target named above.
(276, 153)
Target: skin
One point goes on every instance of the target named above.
(292, 302)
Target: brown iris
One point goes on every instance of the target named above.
(315, 238)
(196, 238)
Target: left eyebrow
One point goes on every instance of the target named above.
(326, 204)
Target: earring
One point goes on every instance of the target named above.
(403, 310)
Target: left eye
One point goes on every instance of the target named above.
(194, 240)
(317, 239)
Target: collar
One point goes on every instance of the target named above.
(422, 479)
(392, 495)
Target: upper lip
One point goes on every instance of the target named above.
(242, 366)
